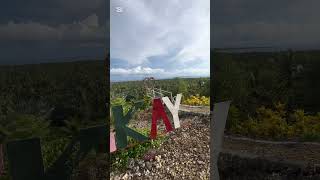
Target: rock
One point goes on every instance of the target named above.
(130, 163)
(201, 162)
(125, 176)
(149, 165)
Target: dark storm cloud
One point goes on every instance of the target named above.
(39, 31)
(53, 12)
(281, 23)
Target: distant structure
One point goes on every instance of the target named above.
(149, 83)
(153, 92)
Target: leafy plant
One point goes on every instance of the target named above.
(52, 149)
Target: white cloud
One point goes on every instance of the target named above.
(192, 72)
(135, 71)
(87, 29)
(149, 28)
(138, 70)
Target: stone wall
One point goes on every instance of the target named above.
(240, 166)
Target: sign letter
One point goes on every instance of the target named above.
(157, 113)
(174, 109)
(122, 131)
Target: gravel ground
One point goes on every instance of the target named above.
(185, 155)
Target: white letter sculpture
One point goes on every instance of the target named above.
(174, 109)
(217, 125)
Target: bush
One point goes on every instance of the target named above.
(271, 123)
(197, 100)
(234, 118)
(306, 125)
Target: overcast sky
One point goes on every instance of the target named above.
(164, 39)
(37, 31)
(151, 36)
(278, 23)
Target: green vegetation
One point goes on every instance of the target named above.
(186, 86)
(274, 94)
(271, 123)
(197, 100)
(120, 91)
(56, 92)
(119, 159)
(51, 101)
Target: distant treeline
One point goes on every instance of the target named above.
(186, 86)
(254, 79)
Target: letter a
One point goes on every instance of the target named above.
(157, 113)
(174, 109)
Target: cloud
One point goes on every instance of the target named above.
(135, 71)
(198, 72)
(238, 23)
(155, 28)
(158, 72)
(260, 33)
(85, 30)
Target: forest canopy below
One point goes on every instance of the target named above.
(274, 94)
(56, 93)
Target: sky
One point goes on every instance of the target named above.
(37, 31)
(276, 23)
(151, 37)
(163, 39)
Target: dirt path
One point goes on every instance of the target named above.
(307, 153)
(195, 109)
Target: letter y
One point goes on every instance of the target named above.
(174, 109)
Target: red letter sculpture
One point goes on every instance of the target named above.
(157, 113)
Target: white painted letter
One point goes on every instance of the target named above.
(174, 109)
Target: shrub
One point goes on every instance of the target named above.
(197, 100)
(271, 123)
(234, 118)
(307, 126)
